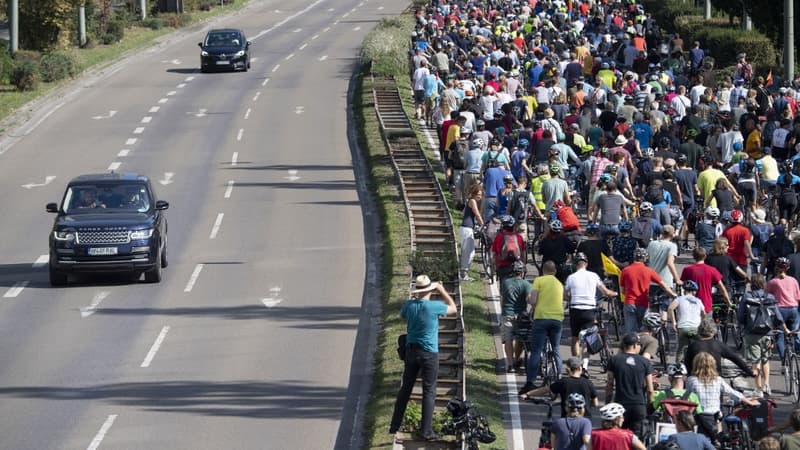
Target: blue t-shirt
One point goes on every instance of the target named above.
(516, 163)
(478, 64)
(422, 317)
(642, 132)
(570, 431)
(690, 439)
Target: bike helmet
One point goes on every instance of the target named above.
(580, 256)
(640, 254)
(653, 320)
(555, 169)
(712, 212)
(611, 411)
(592, 229)
(477, 143)
(556, 225)
(625, 226)
(508, 179)
(690, 286)
(576, 401)
(649, 152)
(507, 222)
(736, 216)
(605, 178)
(646, 207)
(480, 123)
(664, 142)
(682, 158)
(782, 263)
(523, 143)
(738, 146)
(677, 370)
(668, 444)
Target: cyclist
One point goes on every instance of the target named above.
(630, 382)
(705, 276)
(677, 374)
(514, 293)
(556, 188)
(650, 324)
(786, 291)
(611, 435)
(574, 431)
(623, 246)
(686, 437)
(645, 227)
(740, 240)
(580, 291)
(707, 230)
(690, 313)
(557, 247)
(706, 342)
(661, 255)
(592, 247)
(504, 243)
(547, 298)
(635, 282)
(777, 246)
(611, 205)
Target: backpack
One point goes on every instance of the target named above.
(519, 205)
(458, 154)
(491, 161)
(655, 194)
(510, 251)
(642, 230)
(760, 233)
(672, 405)
(760, 316)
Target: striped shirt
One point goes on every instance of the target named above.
(710, 393)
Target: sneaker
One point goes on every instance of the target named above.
(510, 368)
(758, 393)
(584, 373)
(767, 390)
(526, 388)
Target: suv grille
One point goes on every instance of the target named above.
(103, 237)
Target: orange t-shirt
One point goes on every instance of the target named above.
(635, 281)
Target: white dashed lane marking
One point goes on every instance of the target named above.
(98, 438)
(171, 93)
(228, 190)
(275, 69)
(239, 136)
(193, 278)
(356, 28)
(138, 130)
(297, 30)
(16, 289)
(163, 100)
(255, 97)
(114, 166)
(123, 153)
(303, 46)
(235, 158)
(326, 29)
(156, 345)
(154, 109)
(189, 78)
(92, 308)
(314, 37)
(146, 119)
(290, 56)
(181, 86)
(264, 83)
(323, 57)
(215, 228)
(41, 261)
(130, 141)
(247, 114)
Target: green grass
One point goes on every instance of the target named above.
(136, 38)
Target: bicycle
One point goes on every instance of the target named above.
(614, 307)
(547, 423)
(487, 258)
(547, 367)
(661, 333)
(735, 433)
(728, 326)
(597, 345)
(535, 232)
(791, 368)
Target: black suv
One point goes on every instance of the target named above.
(108, 223)
(224, 49)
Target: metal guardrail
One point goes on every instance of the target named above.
(431, 228)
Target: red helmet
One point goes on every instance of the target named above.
(736, 215)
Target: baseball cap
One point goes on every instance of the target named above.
(630, 339)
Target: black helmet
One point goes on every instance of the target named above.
(580, 256)
(518, 267)
(664, 142)
(508, 179)
(507, 222)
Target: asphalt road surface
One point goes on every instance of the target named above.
(249, 339)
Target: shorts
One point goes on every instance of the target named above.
(507, 328)
(419, 96)
(580, 319)
(757, 348)
(649, 345)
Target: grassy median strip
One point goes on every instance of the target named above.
(482, 387)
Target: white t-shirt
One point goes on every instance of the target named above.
(690, 311)
(582, 287)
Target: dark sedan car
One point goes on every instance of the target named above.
(224, 49)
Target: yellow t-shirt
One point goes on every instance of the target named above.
(550, 298)
(453, 134)
(608, 77)
(707, 181)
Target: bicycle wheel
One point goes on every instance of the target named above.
(486, 260)
(795, 363)
(662, 347)
(605, 357)
(788, 374)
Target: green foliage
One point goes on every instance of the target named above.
(176, 20)
(6, 64)
(412, 419)
(441, 266)
(45, 24)
(386, 46)
(57, 66)
(25, 75)
(115, 32)
(154, 23)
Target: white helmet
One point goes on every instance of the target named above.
(477, 143)
(653, 320)
(646, 206)
(611, 411)
(677, 370)
(712, 211)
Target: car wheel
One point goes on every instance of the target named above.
(153, 275)
(248, 63)
(57, 278)
(164, 261)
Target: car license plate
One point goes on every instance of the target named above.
(103, 251)
(223, 62)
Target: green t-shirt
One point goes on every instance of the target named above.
(676, 393)
(514, 293)
(550, 298)
(790, 442)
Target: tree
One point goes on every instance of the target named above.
(45, 24)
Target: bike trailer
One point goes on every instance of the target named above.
(759, 418)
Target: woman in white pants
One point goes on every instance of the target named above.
(472, 219)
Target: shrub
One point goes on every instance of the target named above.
(386, 47)
(177, 20)
(115, 33)
(27, 55)
(25, 76)
(154, 23)
(57, 66)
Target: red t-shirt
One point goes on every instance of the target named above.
(705, 276)
(497, 247)
(635, 280)
(612, 439)
(737, 235)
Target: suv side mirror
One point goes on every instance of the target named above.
(248, 43)
(162, 205)
(51, 207)
(200, 44)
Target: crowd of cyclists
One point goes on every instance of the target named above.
(582, 139)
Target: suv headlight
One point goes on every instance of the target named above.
(203, 53)
(64, 235)
(141, 234)
(240, 53)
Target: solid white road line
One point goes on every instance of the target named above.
(114, 166)
(255, 97)
(123, 153)
(247, 114)
(154, 349)
(98, 438)
(130, 141)
(323, 57)
(193, 278)
(138, 130)
(264, 83)
(44, 117)
(239, 136)
(171, 93)
(215, 228)
(41, 261)
(228, 191)
(275, 69)
(16, 289)
(303, 46)
(154, 109)
(163, 100)
(235, 158)
(146, 119)
(92, 308)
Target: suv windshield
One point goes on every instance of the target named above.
(224, 39)
(93, 198)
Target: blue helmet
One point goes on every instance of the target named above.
(592, 229)
(625, 226)
(523, 143)
(691, 286)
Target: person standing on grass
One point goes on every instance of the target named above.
(514, 294)
(422, 350)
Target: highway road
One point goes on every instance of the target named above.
(248, 341)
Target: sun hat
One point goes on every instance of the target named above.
(759, 215)
(424, 285)
(620, 140)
